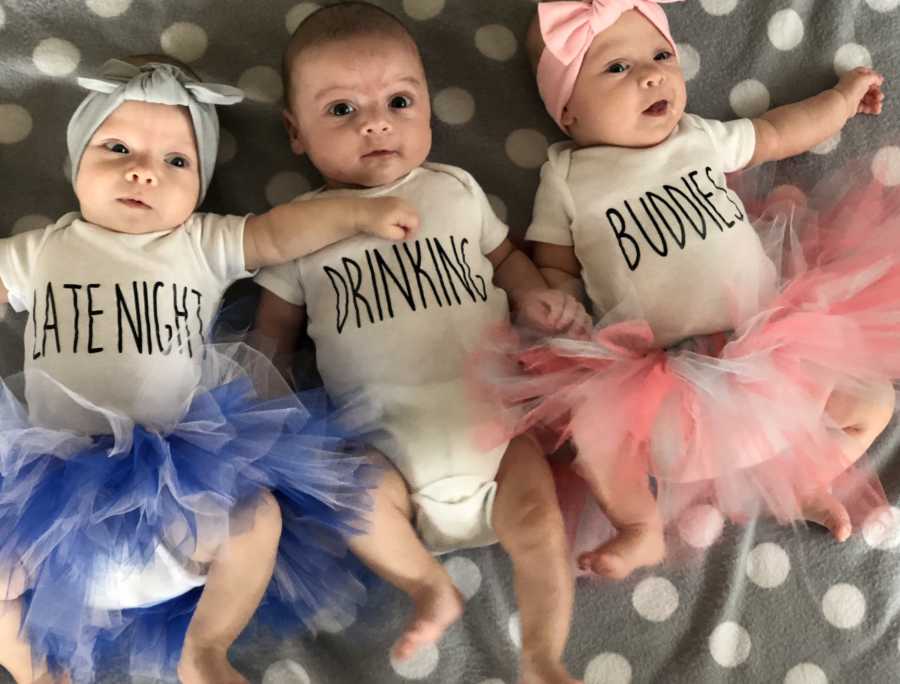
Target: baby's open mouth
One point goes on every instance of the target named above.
(134, 203)
(658, 108)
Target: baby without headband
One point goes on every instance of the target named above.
(155, 83)
(568, 29)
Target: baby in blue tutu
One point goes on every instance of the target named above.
(157, 488)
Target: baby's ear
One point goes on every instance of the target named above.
(293, 131)
(567, 118)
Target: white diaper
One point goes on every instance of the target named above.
(119, 587)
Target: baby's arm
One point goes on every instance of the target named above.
(552, 310)
(559, 266)
(280, 321)
(795, 128)
(293, 230)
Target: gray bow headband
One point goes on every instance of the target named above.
(155, 83)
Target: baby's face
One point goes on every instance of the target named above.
(140, 172)
(630, 91)
(360, 109)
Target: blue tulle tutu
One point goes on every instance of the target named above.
(73, 506)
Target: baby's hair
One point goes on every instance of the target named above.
(341, 21)
(141, 60)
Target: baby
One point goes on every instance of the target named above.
(145, 464)
(398, 321)
(636, 207)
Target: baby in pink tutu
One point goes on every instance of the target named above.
(636, 207)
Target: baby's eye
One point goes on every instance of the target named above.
(178, 161)
(617, 68)
(341, 109)
(663, 56)
(117, 147)
(400, 102)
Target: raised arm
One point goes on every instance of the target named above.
(795, 128)
(293, 230)
(531, 297)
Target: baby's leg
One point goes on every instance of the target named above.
(392, 549)
(15, 653)
(624, 495)
(238, 576)
(862, 418)
(529, 524)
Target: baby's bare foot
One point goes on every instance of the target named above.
(545, 673)
(207, 665)
(635, 546)
(436, 608)
(824, 509)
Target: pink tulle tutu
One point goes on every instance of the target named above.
(736, 419)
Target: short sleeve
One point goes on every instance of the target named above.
(17, 258)
(735, 142)
(284, 281)
(221, 240)
(493, 230)
(554, 210)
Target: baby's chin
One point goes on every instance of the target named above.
(638, 138)
(370, 178)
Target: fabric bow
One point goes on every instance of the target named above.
(156, 83)
(568, 29)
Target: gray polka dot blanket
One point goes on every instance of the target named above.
(760, 603)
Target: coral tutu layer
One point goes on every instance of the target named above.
(736, 419)
(76, 509)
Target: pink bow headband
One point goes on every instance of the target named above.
(568, 29)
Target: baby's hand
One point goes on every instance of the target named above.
(390, 218)
(861, 87)
(553, 311)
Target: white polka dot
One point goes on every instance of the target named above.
(297, 14)
(261, 84)
(827, 146)
(700, 526)
(465, 575)
(526, 148)
(786, 29)
(56, 57)
(2, 17)
(499, 207)
(454, 106)
(768, 565)
(227, 147)
(805, 673)
(420, 665)
(655, 599)
(729, 644)
(849, 57)
(718, 7)
(108, 8)
(881, 529)
(15, 124)
(423, 9)
(844, 606)
(184, 41)
(689, 59)
(886, 165)
(31, 222)
(495, 41)
(285, 186)
(883, 5)
(286, 672)
(608, 668)
(515, 630)
(749, 98)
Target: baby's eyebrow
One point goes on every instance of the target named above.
(411, 80)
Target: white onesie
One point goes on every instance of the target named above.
(110, 313)
(396, 322)
(657, 232)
